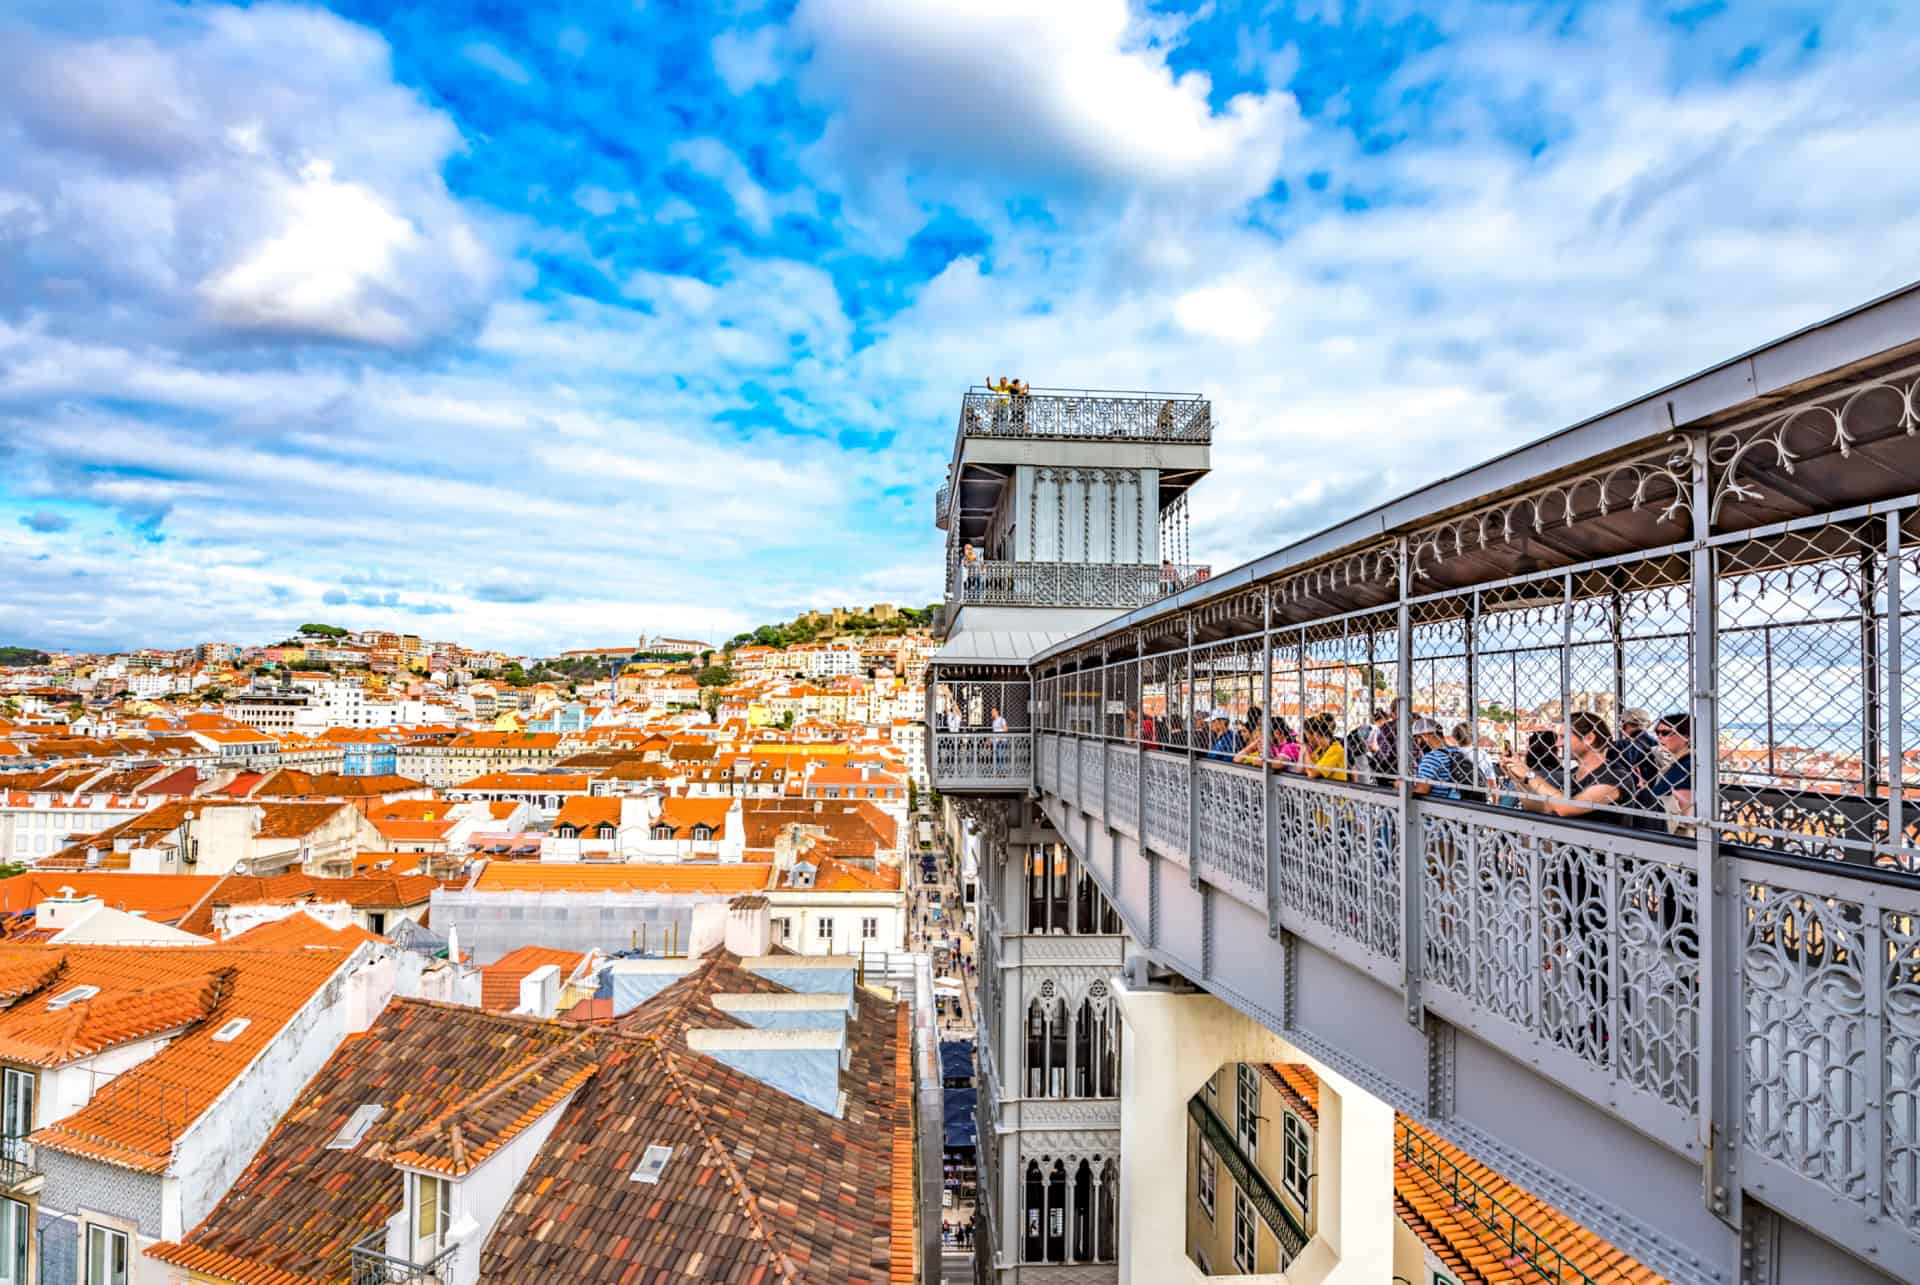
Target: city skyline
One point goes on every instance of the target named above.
(547, 334)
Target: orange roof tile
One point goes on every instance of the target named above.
(299, 930)
(136, 1119)
(584, 812)
(162, 898)
(500, 980)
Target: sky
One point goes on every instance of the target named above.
(541, 326)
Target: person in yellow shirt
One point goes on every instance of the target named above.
(1326, 755)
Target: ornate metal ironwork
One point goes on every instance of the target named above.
(1089, 415)
(1657, 478)
(1123, 789)
(1167, 805)
(1232, 854)
(1068, 584)
(1338, 860)
(982, 760)
(1822, 423)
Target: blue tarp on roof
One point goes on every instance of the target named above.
(961, 1129)
(956, 1059)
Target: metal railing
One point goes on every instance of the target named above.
(941, 499)
(1069, 584)
(1720, 936)
(1093, 415)
(17, 1164)
(1522, 1243)
(369, 1264)
(993, 760)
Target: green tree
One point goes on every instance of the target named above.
(786, 721)
(713, 676)
(324, 631)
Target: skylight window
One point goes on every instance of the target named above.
(73, 996)
(356, 1126)
(231, 1031)
(653, 1163)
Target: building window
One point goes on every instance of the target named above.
(16, 1234)
(663, 832)
(702, 833)
(1296, 1159)
(432, 1216)
(1246, 1108)
(823, 929)
(786, 928)
(106, 1256)
(1243, 1242)
(869, 927)
(16, 1112)
(1205, 1178)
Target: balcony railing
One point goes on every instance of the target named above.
(982, 760)
(941, 499)
(369, 1264)
(17, 1164)
(1120, 585)
(1248, 1178)
(1091, 415)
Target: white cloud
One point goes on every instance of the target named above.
(756, 206)
(1077, 92)
(747, 59)
(1231, 313)
(323, 272)
(489, 58)
(257, 168)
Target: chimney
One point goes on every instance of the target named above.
(540, 991)
(749, 925)
(709, 928)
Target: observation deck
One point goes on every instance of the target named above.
(1688, 1014)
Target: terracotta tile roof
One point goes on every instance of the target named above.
(135, 1119)
(291, 820)
(165, 899)
(719, 877)
(410, 810)
(683, 814)
(833, 875)
(413, 831)
(1426, 1204)
(39, 1035)
(298, 931)
(529, 782)
(584, 812)
(760, 1187)
(290, 783)
(506, 741)
(300, 1205)
(500, 980)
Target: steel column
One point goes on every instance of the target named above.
(1266, 762)
(1718, 1066)
(1895, 692)
(1412, 872)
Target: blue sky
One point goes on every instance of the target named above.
(536, 326)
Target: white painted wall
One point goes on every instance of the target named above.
(211, 1154)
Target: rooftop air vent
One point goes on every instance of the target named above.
(356, 1126)
(653, 1163)
(231, 1031)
